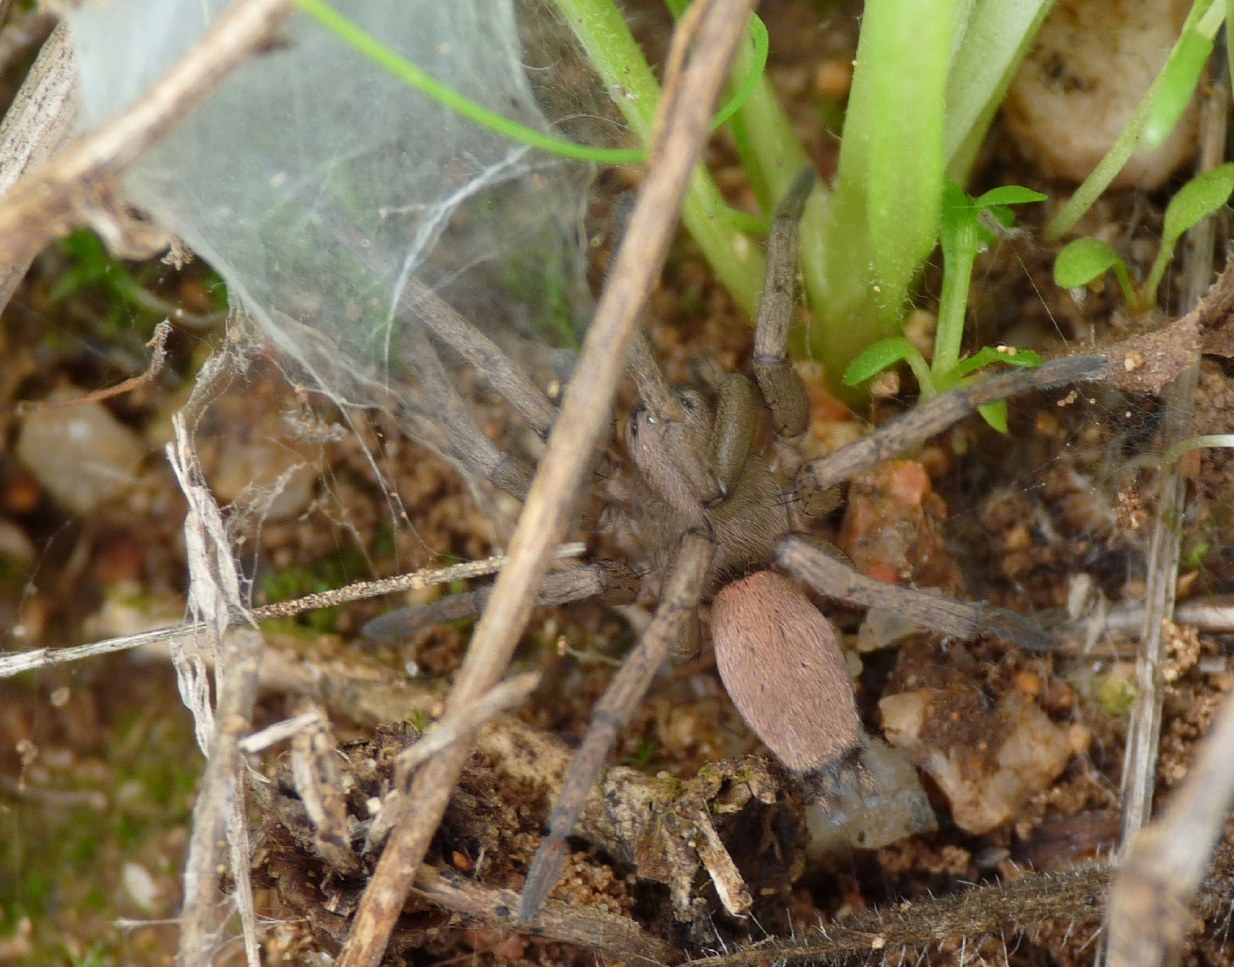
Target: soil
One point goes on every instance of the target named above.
(99, 764)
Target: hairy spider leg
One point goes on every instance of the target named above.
(777, 381)
(933, 416)
(482, 354)
(836, 580)
(609, 580)
(613, 711)
(467, 445)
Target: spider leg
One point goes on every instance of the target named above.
(608, 579)
(467, 444)
(678, 459)
(732, 436)
(934, 416)
(680, 597)
(832, 578)
(776, 378)
(482, 354)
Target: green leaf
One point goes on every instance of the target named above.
(1008, 195)
(997, 34)
(1082, 261)
(990, 356)
(995, 414)
(1198, 198)
(1205, 16)
(878, 357)
(903, 57)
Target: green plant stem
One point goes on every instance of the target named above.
(959, 253)
(402, 68)
(882, 219)
(1229, 48)
(1131, 292)
(616, 57)
(1127, 142)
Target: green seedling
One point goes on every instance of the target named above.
(1086, 260)
(1195, 556)
(1205, 441)
(967, 227)
(1157, 114)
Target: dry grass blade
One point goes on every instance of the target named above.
(607, 934)
(683, 124)
(502, 698)
(1148, 916)
(75, 187)
(220, 827)
(24, 661)
(1140, 763)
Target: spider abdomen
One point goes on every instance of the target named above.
(781, 663)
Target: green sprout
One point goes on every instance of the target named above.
(967, 226)
(1086, 260)
(1195, 556)
(1156, 115)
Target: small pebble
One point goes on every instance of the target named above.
(81, 455)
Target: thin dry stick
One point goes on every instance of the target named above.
(37, 123)
(609, 935)
(158, 357)
(452, 729)
(24, 661)
(455, 728)
(75, 187)
(1144, 731)
(1149, 915)
(684, 120)
(1165, 865)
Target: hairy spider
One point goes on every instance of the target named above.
(706, 520)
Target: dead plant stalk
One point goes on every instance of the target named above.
(683, 123)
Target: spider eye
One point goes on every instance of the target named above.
(637, 415)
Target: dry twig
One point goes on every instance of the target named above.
(23, 661)
(1149, 915)
(78, 187)
(158, 357)
(684, 116)
(35, 126)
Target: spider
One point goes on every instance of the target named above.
(708, 521)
